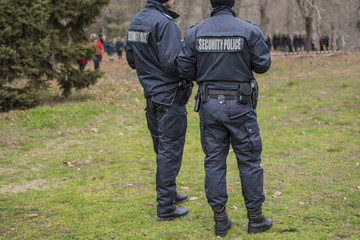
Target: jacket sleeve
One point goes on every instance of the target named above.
(168, 47)
(187, 57)
(130, 57)
(261, 60)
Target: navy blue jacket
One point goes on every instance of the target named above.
(223, 50)
(153, 44)
(109, 48)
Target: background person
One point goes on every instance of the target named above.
(82, 64)
(119, 45)
(110, 49)
(94, 40)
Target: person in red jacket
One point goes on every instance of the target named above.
(94, 40)
(82, 64)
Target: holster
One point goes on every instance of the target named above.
(186, 90)
(203, 93)
(197, 103)
(201, 96)
(255, 93)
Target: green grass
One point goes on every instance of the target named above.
(309, 111)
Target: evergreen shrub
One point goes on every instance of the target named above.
(40, 41)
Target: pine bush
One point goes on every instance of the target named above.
(40, 41)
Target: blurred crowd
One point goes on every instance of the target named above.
(297, 43)
(103, 45)
(275, 42)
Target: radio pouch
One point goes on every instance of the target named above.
(244, 93)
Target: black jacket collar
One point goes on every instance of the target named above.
(161, 8)
(222, 10)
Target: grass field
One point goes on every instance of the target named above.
(84, 168)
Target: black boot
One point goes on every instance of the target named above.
(222, 222)
(177, 213)
(181, 198)
(257, 222)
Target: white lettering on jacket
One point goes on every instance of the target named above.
(137, 36)
(220, 44)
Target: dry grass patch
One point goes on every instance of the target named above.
(38, 184)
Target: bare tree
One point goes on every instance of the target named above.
(237, 6)
(306, 9)
(289, 16)
(191, 11)
(262, 4)
(339, 20)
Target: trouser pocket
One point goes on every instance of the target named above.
(253, 131)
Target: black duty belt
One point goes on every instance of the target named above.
(230, 94)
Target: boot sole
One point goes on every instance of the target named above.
(224, 233)
(170, 218)
(260, 230)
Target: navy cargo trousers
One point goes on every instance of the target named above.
(224, 122)
(167, 125)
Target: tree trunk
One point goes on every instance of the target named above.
(237, 7)
(307, 8)
(192, 12)
(308, 28)
(288, 16)
(246, 10)
(262, 8)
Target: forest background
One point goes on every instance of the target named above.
(339, 19)
(40, 41)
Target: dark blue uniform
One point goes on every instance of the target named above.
(153, 43)
(222, 52)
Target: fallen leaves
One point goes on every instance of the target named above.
(234, 207)
(33, 215)
(9, 118)
(277, 194)
(95, 130)
(76, 163)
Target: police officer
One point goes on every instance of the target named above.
(221, 53)
(153, 43)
